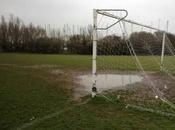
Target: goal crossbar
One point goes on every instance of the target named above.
(100, 11)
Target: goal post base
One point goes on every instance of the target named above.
(94, 91)
(93, 94)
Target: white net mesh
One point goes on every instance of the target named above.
(131, 66)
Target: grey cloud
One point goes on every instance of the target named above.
(79, 12)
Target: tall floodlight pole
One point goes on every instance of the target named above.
(131, 28)
(167, 25)
(94, 55)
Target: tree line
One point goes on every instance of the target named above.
(15, 36)
(143, 43)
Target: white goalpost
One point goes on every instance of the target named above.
(94, 56)
(145, 49)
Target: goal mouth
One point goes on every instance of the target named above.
(125, 46)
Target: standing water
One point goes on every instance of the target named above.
(108, 81)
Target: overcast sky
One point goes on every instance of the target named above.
(79, 12)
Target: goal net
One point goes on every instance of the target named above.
(133, 63)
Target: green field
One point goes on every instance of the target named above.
(33, 98)
(84, 62)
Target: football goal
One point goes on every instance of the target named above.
(132, 62)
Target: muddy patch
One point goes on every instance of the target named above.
(57, 72)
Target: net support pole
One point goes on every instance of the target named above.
(163, 52)
(163, 46)
(94, 51)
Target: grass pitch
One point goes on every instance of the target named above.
(33, 98)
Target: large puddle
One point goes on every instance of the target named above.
(107, 81)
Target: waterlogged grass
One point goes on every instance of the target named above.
(84, 62)
(63, 61)
(26, 94)
(29, 97)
